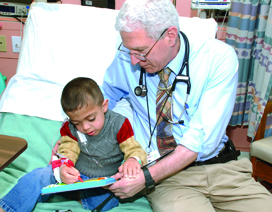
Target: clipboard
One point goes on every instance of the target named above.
(90, 183)
(158, 159)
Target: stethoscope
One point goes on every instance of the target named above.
(141, 89)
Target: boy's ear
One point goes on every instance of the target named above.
(105, 105)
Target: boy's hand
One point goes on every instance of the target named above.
(130, 168)
(68, 175)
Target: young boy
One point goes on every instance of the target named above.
(94, 142)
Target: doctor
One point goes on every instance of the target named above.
(189, 115)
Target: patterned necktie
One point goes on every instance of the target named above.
(165, 138)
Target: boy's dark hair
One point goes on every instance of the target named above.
(79, 92)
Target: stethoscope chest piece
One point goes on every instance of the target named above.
(140, 90)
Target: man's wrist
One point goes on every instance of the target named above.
(149, 182)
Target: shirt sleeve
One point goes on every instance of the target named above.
(210, 115)
(69, 147)
(116, 85)
(128, 145)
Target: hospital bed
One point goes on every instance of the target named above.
(61, 42)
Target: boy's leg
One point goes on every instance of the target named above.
(27, 192)
(91, 198)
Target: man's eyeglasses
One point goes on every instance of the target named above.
(141, 57)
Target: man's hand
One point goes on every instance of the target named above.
(68, 175)
(130, 168)
(127, 187)
(171, 164)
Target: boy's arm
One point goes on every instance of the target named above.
(68, 151)
(69, 148)
(128, 145)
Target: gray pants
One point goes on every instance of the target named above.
(217, 187)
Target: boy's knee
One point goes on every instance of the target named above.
(41, 174)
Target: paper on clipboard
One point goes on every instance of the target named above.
(156, 160)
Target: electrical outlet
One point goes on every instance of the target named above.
(16, 43)
(3, 43)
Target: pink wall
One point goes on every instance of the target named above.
(8, 60)
(183, 6)
(78, 2)
(239, 137)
